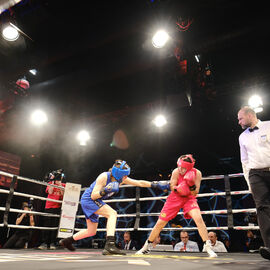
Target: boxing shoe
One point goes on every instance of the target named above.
(43, 246)
(110, 248)
(265, 252)
(67, 243)
(209, 250)
(145, 249)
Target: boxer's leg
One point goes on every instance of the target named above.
(111, 215)
(197, 217)
(90, 231)
(153, 235)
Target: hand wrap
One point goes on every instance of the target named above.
(162, 185)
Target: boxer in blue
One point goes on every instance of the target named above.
(106, 185)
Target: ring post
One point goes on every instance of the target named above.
(138, 209)
(9, 199)
(229, 206)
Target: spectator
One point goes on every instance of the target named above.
(253, 242)
(227, 244)
(128, 243)
(216, 245)
(49, 237)
(21, 236)
(186, 244)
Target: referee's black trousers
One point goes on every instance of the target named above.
(260, 187)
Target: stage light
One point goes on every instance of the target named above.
(197, 57)
(83, 136)
(39, 118)
(33, 71)
(160, 39)
(255, 102)
(160, 121)
(10, 33)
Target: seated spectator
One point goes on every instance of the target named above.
(186, 244)
(217, 246)
(253, 242)
(128, 243)
(21, 236)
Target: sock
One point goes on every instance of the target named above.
(110, 239)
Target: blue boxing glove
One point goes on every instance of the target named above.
(111, 187)
(162, 185)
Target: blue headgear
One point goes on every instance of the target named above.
(119, 173)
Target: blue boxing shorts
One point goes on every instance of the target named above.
(89, 208)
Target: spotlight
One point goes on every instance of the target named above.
(160, 121)
(255, 102)
(160, 39)
(10, 33)
(33, 71)
(39, 118)
(83, 136)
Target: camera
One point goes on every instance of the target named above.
(55, 175)
(30, 203)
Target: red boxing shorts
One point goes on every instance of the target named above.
(174, 203)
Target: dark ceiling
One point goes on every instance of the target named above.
(97, 70)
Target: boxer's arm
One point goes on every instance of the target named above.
(198, 179)
(174, 179)
(137, 183)
(101, 183)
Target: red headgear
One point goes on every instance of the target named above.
(185, 164)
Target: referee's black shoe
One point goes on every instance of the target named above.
(265, 252)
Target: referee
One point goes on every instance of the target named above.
(255, 157)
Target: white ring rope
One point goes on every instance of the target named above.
(238, 228)
(13, 210)
(29, 196)
(208, 228)
(209, 212)
(29, 227)
(30, 180)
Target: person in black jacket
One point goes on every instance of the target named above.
(21, 236)
(128, 243)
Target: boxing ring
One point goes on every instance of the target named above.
(137, 212)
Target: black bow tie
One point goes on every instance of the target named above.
(252, 129)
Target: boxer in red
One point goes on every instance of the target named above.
(185, 185)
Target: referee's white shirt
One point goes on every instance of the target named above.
(255, 147)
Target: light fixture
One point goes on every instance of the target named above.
(197, 57)
(255, 102)
(33, 71)
(160, 121)
(39, 118)
(83, 136)
(160, 39)
(10, 33)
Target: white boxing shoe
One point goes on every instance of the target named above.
(145, 249)
(208, 248)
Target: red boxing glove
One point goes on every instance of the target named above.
(182, 189)
(190, 180)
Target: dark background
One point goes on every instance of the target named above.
(96, 70)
